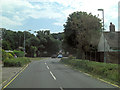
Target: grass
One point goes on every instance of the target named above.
(36, 58)
(16, 62)
(19, 62)
(105, 71)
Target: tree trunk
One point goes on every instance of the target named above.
(80, 54)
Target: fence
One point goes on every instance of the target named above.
(111, 57)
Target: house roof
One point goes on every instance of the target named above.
(113, 39)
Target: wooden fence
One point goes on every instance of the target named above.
(111, 57)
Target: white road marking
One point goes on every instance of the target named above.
(61, 88)
(45, 63)
(53, 75)
(47, 67)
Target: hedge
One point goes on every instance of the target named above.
(6, 55)
(16, 62)
(19, 53)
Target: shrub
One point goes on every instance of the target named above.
(3, 55)
(9, 55)
(6, 55)
(19, 53)
(71, 57)
(12, 53)
(16, 62)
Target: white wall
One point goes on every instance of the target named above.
(101, 44)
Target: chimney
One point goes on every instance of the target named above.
(112, 27)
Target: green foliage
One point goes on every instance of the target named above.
(12, 53)
(41, 44)
(33, 41)
(16, 62)
(6, 55)
(31, 46)
(58, 36)
(71, 57)
(19, 53)
(3, 55)
(0, 53)
(32, 51)
(81, 32)
(10, 39)
(47, 45)
(9, 55)
(104, 70)
(6, 45)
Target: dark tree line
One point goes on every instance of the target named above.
(43, 44)
(81, 34)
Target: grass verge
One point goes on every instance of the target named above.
(36, 58)
(106, 71)
(16, 62)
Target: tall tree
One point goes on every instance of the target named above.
(48, 45)
(82, 32)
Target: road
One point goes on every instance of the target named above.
(50, 73)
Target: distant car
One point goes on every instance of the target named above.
(60, 56)
(54, 56)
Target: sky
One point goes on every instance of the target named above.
(119, 15)
(21, 15)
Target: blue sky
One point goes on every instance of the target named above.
(52, 14)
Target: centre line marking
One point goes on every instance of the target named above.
(53, 75)
(61, 88)
(45, 63)
(47, 67)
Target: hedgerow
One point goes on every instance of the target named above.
(16, 62)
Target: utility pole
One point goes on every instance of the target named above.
(24, 41)
(103, 33)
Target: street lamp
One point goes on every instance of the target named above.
(103, 33)
(103, 16)
(24, 41)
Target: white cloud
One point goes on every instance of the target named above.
(90, 6)
(47, 13)
(20, 10)
(12, 12)
(6, 22)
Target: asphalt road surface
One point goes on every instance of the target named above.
(50, 73)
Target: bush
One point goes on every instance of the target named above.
(6, 55)
(9, 55)
(3, 55)
(19, 53)
(71, 57)
(16, 62)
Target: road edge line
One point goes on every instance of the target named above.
(100, 79)
(12, 75)
(15, 76)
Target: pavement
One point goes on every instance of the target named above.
(0, 74)
(8, 72)
(50, 73)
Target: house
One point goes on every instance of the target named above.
(110, 43)
(109, 40)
